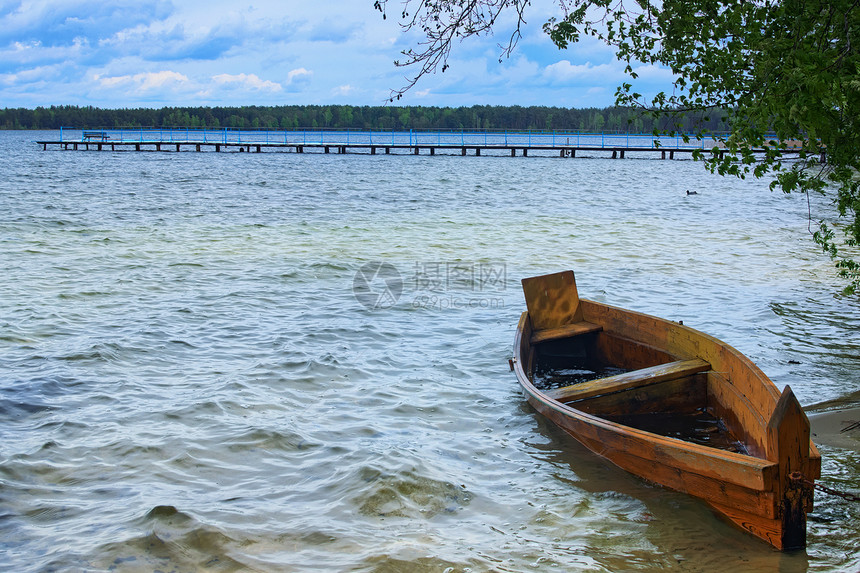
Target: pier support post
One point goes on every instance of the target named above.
(198, 147)
(387, 151)
(258, 149)
(137, 147)
(513, 151)
(300, 149)
(525, 152)
(373, 151)
(477, 151)
(614, 154)
(177, 148)
(463, 151)
(622, 154)
(432, 151)
(573, 152)
(671, 155)
(417, 149)
(326, 149)
(217, 147)
(663, 155)
(158, 147)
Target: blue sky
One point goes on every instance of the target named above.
(154, 53)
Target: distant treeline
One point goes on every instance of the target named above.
(354, 117)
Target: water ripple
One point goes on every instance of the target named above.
(189, 383)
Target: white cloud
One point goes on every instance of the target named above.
(343, 90)
(654, 74)
(297, 75)
(249, 81)
(564, 71)
(217, 52)
(144, 81)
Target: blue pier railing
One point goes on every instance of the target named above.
(527, 139)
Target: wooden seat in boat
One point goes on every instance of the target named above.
(554, 308)
(629, 380)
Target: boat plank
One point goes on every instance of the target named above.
(679, 395)
(564, 331)
(740, 482)
(629, 380)
(728, 467)
(738, 413)
(629, 354)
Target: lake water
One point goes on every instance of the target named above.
(200, 368)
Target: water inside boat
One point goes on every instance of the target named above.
(698, 427)
(552, 378)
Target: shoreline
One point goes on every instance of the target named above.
(827, 426)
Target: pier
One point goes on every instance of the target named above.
(414, 142)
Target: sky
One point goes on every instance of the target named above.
(156, 53)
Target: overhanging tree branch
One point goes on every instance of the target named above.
(779, 71)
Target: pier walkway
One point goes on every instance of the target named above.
(562, 144)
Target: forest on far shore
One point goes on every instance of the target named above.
(480, 117)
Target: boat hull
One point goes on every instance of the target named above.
(755, 488)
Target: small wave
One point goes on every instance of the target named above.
(108, 351)
(270, 440)
(171, 540)
(407, 494)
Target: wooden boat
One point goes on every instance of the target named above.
(670, 404)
